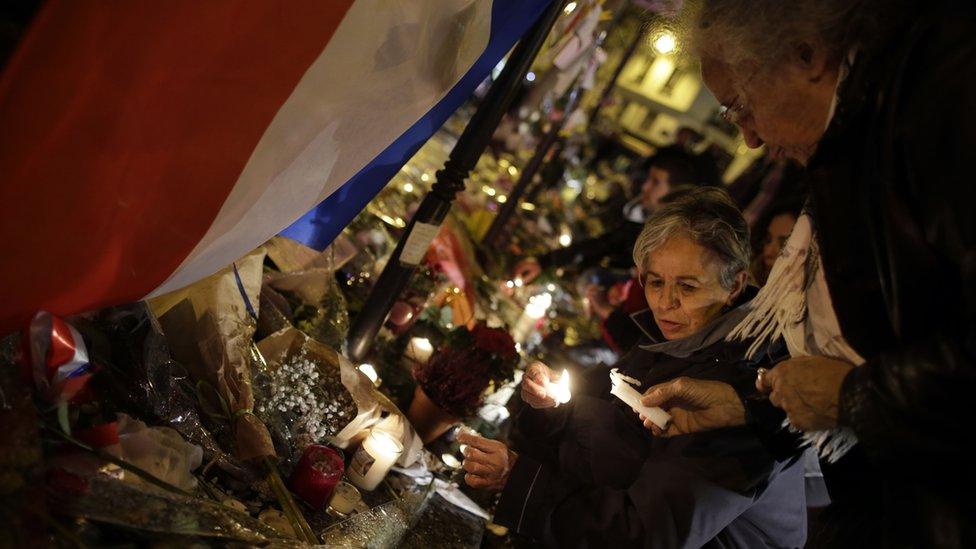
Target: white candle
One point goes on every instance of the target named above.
(559, 391)
(370, 372)
(374, 458)
(345, 498)
(419, 350)
(622, 389)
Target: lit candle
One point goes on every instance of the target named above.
(622, 388)
(419, 350)
(370, 372)
(345, 499)
(559, 391)
(374, 458)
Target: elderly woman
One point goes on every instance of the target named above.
(595, 477)
(875, 290)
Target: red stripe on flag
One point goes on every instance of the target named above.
(123, 128)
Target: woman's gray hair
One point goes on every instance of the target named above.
(709, 218)
(768, 32)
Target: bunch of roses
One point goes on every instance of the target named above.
(458, 374)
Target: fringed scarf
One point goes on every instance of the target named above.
(795, 305)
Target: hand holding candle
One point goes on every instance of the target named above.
(487, 463)
(536, 385)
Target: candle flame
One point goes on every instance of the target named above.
(559, 391)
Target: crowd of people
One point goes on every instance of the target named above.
(838, 340)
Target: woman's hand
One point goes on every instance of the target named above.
(527, 269)
(807, 389)
(695, 405)
(534, 391)
(487, 462)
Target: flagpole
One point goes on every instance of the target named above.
(450, 181)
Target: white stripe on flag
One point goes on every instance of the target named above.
(387, 64)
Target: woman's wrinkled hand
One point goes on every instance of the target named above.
(534, 391)
(807, 389)
(487, 462)
(695, 405)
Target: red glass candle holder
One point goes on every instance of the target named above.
(316, 475)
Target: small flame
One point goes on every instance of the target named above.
(559, 391)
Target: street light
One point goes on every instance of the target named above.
(665, 43)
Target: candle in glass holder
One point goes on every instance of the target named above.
(374, 458)
(345, 499)
(318, 472)
(559, 390)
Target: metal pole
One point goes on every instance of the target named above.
(608, 89)
(494, 235)
(450, 180)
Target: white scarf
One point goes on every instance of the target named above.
(795, 305)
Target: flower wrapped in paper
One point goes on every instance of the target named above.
(209, 327)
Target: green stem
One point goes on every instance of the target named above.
(288, 505)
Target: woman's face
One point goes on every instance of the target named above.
(779, 230)
(682, 288)
(657, 184)
(787, 110)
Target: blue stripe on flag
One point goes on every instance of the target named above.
(510, 19)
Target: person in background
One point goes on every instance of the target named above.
(770, 237)
(876, 295)
(767, 182)
(662, 171)
(593, 477)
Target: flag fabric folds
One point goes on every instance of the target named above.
(145, 145)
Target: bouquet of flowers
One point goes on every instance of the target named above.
(471, 362)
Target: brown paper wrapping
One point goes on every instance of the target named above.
(210, 330)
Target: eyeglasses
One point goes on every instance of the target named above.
(734, 112)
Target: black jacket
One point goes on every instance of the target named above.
(893, 200)
(595, 477)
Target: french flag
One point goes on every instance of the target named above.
(145, 145)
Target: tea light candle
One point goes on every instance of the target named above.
(559, 391)
(345, 499)
(622, 388)
(374, 458)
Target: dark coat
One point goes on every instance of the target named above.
(595, 477)
(893, 201)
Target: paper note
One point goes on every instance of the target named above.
(421, 235)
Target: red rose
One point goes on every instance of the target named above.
(494, 341)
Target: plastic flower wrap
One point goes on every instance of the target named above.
(457, 375)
